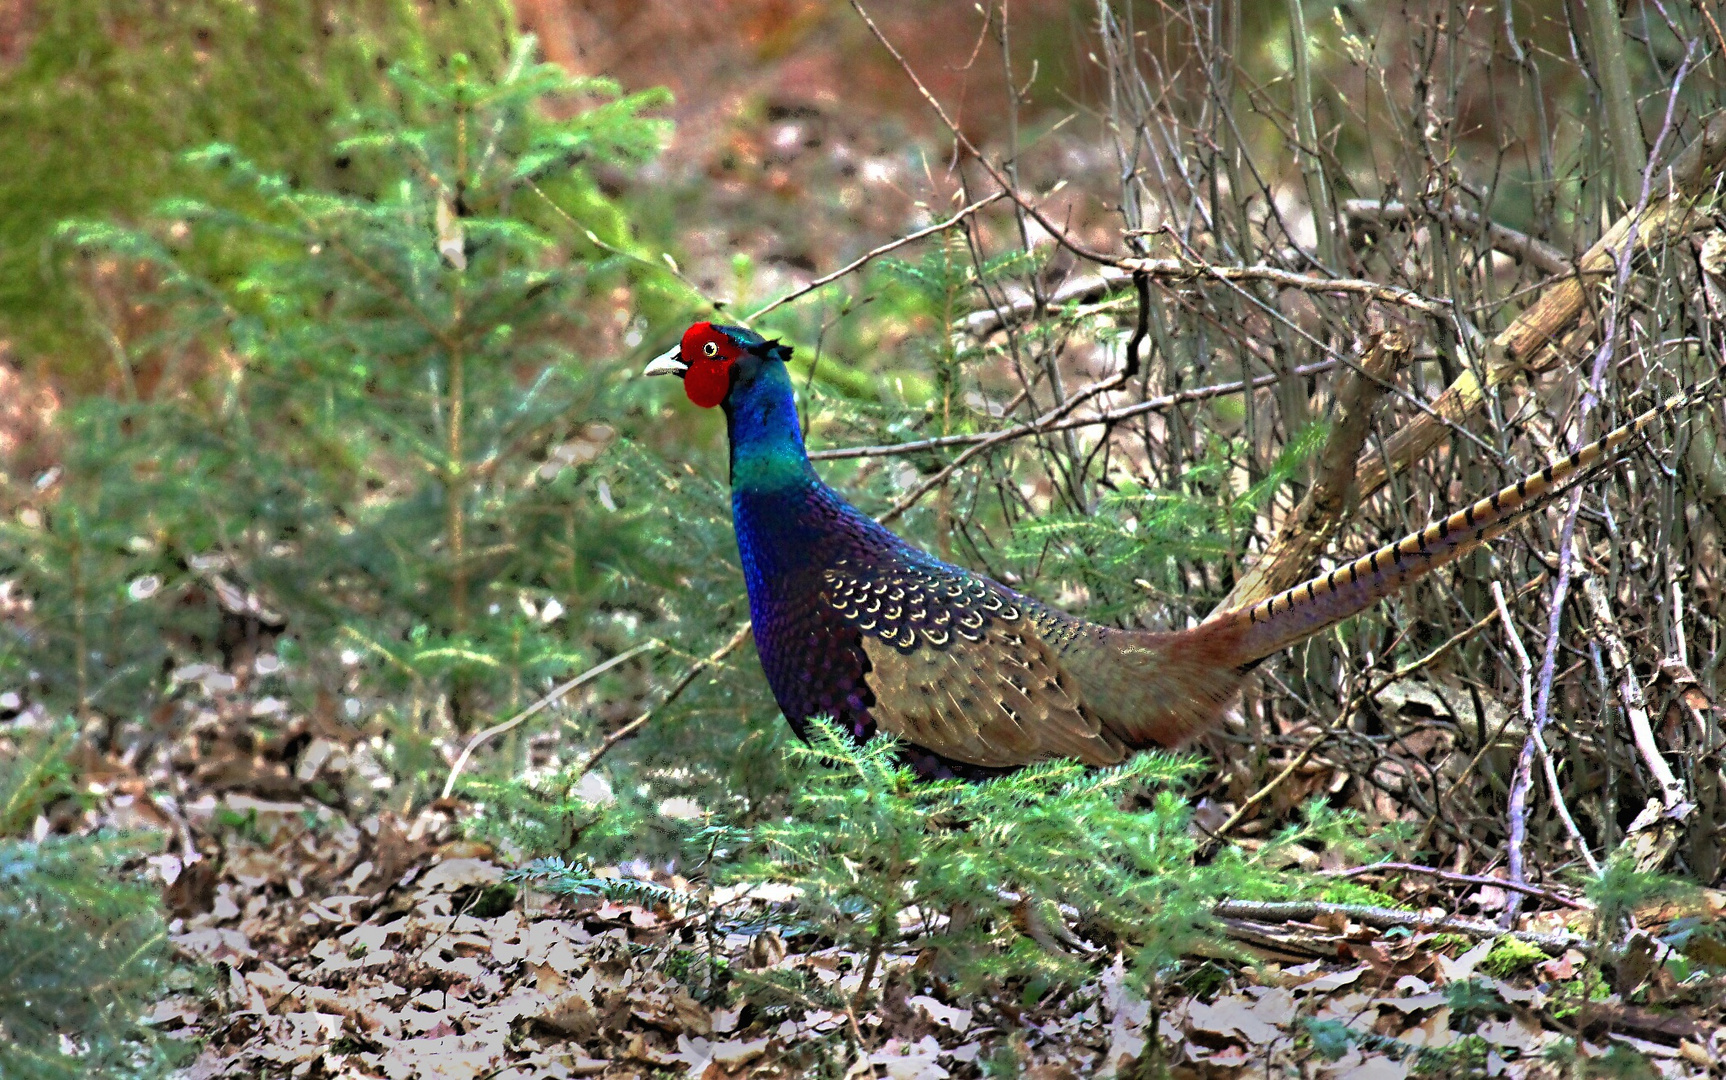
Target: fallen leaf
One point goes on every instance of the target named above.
(1514, 1033)
(1562, 968)
(454, 874)
(914, 1061)
(947, 1015)
(1128, 1011)
(215, 945)
(1333, 981)
(1415, 1002)
(1376, 1068)
(1463, 966)
(1232, 1016)
(1432, 1032)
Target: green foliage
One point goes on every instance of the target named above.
(1617, 1063)
(1344, 891)
(372, 416)
(1473, 999)
(1703, 943)
(942, 288)
(554, 875)
(82, 943)
(990, 873)
(1136, 540)
(533, 815)
(1463, 1058)
(1621, 888)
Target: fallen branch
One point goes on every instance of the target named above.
(1537, 339)
(1458, 879)
(1308, 531)
(1532, 343)
(1382, 918)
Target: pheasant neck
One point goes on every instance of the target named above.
(767, 451)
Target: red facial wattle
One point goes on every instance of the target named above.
(709, 354)
(707, 382)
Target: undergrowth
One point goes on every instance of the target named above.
(83, 945)
(1025, 883)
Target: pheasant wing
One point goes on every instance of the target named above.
(956, 667)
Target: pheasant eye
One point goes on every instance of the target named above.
(711, 349)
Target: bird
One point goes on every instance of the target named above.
(974, 678)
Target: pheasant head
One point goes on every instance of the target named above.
(719, 363)
(736, 369)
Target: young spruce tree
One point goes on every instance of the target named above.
(374, 422)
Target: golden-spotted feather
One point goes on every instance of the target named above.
(955, 667)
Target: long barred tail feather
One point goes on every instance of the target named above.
(1295, 614)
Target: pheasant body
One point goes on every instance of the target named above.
(853, 623)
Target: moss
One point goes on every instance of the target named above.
(1509, 956)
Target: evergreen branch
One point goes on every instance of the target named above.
(666, 265)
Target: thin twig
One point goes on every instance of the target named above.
(1042, 425)
(985, 321)
(1169, 269)
(1630, 695)
(874, 253)
(480, 738)
(1276, 781)
(1348, 710)
(1537, 253)
(671, 695)
(1055, 230)
(1458, 879)
(1162, 269)
(1527, 668)
(1522, 777)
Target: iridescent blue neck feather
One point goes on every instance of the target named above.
(766, 440)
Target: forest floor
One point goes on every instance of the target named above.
(377, 945)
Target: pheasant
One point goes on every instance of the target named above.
(974, 678)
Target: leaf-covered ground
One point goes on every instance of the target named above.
(380, 946)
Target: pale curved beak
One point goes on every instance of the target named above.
(669, 362)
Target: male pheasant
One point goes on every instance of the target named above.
(853, 623)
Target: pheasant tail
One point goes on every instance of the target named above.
(1264, 628)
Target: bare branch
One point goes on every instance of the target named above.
(1536, 253)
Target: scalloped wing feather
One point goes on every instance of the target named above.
(957, 668)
